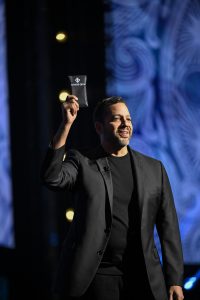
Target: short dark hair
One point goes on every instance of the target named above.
(102, 106)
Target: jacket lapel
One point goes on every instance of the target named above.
(105, 171)
(138, 177)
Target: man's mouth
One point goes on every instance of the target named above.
(124, 133)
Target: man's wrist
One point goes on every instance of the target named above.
(65, 126)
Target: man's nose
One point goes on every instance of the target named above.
(124, 122)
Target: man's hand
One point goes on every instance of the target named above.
(176, 293)
(69, 113)
(69, 109)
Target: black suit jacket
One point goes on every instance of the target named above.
(88, 175)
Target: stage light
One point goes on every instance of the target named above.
(63, 95)
(69, 214)
(190, 282)
(61, 37)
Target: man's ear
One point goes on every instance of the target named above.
(98, 127)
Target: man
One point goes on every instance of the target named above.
(120, 195)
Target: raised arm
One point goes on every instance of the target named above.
(69, 113)
(56, 173)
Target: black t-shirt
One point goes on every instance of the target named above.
(122, 178)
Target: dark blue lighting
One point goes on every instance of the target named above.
(6, 208)
(190, 282)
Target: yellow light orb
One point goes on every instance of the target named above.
(63, 96)
(61, 36)
(69, 214)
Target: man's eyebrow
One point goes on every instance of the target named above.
(114, 115)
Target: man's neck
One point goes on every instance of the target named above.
(115, 152)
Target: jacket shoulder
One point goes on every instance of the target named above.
(150, 166)
(146, 159)
(144, 156)
(82, 153)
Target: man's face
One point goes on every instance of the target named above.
(116, 128)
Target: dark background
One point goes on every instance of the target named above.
(38, 67)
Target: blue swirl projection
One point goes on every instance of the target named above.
(153, 61)
(6, 213)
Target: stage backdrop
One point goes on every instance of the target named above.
(153, 61)
(6, 213)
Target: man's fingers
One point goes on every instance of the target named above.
(71, 104)
(71, 100)
(174, 296)
(176, 293)
(72, 108)
(170, 296)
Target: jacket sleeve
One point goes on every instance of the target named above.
(169, 234)
(60, 170)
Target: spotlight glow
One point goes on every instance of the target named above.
(61, 36)
(190, 283)
(63, 95)
(69, 214)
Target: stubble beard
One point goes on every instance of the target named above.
(119, 141)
